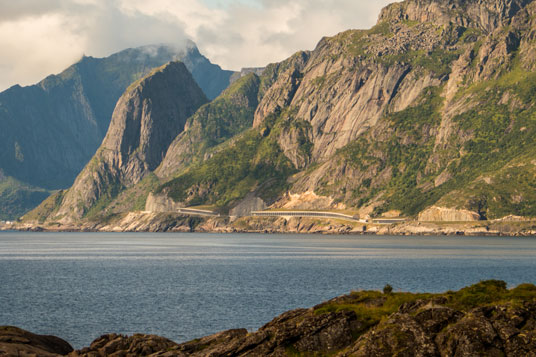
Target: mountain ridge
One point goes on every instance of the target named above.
(414, 118)
(51, 129)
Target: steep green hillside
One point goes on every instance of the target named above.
(215, 122)
(486, 165)
(401, 117)
(18, 198)
(251, 163)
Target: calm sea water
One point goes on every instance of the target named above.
(182, 286)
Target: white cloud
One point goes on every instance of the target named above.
(33, 47)
(39, 37)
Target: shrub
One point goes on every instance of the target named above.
(387, 289)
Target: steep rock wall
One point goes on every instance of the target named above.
(150, 114)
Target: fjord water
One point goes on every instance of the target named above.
(182, 286)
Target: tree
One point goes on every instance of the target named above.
(387, 289)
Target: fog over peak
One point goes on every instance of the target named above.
(40, 37)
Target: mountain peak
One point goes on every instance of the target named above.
(484, 14)
(147, 117)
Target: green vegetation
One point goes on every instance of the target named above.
(510, 190)
(372, 307)
(133, 198)
(501, 148)
(139, 196)
(17, 198)
(387, 289)
(404, 147)
(229, 114)
(96, 212)
(45, 209)
(214, 123)
(250, 162)
(437, 61)
(383, 28)
(489, 160)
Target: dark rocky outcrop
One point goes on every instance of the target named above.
(485, 319)
(119, 345)
(17, 342)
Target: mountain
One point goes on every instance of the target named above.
(50, 130)
(198, 136)
(431, 102)
(147, 117)
(427, 115)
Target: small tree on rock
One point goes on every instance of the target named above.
(387, 289)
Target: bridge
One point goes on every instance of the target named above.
(315, 214)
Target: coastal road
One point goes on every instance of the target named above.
(317, 214)
(197, 212)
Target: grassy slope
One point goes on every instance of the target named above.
(215, 122)
(16, 198)
(485, 293)
(249, 163)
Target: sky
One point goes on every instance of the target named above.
(42, 37)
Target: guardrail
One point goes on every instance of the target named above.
(198, 212)
(388, 220)
(306, 214)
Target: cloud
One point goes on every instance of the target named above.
(33, 48)
(40, 37)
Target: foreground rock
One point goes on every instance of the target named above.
(118, 345)
(485, 319)
(17, 342)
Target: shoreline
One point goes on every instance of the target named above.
(154, 222)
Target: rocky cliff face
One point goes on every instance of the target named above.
(485, 319)
(226, 116)
(431, 107)
(390, 118)
(393, 117)
(151, 113)
(439, 214)
(487, 15)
